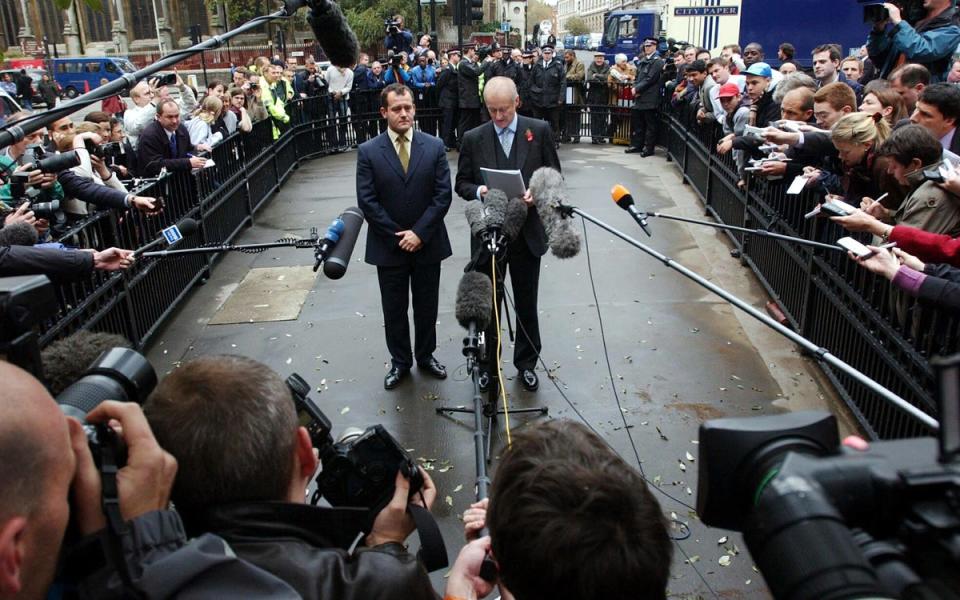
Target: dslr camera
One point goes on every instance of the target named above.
(392, 26)
(360, 469)
(826, 522)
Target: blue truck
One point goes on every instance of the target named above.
(715, 23)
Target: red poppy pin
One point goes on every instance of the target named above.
(529, 135)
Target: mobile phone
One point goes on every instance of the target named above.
(854, 246)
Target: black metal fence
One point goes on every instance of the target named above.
(826, 297)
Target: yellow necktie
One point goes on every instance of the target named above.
(402, 152)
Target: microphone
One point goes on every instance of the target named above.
(473, 308)
(475, 217)
(329, 241)
(332, 32)
(495, 207)
(18, 234)
(336, 264)
(548, 191)
(514, 218)
(474, 302)
(171, 235)
(486, 218)
(624, 200)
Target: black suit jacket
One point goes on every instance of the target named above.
(153, 150)
(481, 148)
(392, 201)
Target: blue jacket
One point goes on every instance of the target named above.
(374, 82)
(389, 78)
(419, 78)
(931, 44)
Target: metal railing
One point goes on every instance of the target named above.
(827, 298)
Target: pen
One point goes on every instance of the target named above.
(885, 194)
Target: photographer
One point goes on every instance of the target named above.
(248, 484)
(931, 43)
(86, 190)
(46, 461)
(568, 518)
(254, 95)
(397, 39)
(14, 158)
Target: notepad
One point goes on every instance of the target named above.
(507, 181)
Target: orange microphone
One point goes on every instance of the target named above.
(624, 200)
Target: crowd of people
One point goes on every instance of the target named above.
(220, 437)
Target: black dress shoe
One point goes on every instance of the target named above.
(484, 381)
(529, 380)
(394, 377)
(646, 153)
(434, 368)
(633, 150)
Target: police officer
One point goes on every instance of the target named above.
(449, 95)
(548, 88)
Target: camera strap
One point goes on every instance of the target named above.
(116, 528)
(433, 551)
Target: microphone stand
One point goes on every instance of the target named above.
(821, 354)
(313, 243)
(475, 347)
(748, 231)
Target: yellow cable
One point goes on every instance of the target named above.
(496, 316)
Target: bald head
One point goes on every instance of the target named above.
(141, 94)
(797, 105)
(27, 413)
(36, 470)
(500, 89)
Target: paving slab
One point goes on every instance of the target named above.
(677, 354)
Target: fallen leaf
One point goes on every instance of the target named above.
(449, 502)
(458, 488)
(722, 541)
(724, 560)
(345, 410)
(690, 457)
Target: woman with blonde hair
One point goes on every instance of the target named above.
(200, 127)
(857, 137)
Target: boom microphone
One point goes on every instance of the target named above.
(495, 207)
(171, 235)
(329, 241)
(336, 264)
(332, 32)
(624, 200)
(474, 301)
(547, 189)
(475, 217)
(18, 234)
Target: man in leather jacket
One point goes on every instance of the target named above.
(646, 98)
(244, 467)
(548, 89)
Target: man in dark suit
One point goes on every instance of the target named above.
(511, 141)
(166, 143)
(403, 189)
(468, 83)
(449, 92)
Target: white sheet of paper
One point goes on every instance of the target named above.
(799, 182)
(509, 182)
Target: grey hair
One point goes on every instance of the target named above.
(791, 82)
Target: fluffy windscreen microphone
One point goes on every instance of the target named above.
(333, 33)
(475, 217)
(514, 219)
(548, 191)
(474, 301)
(495, 206)
(18, 234)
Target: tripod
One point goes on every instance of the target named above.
(477, 348)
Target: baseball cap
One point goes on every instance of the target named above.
(760, 69)
(728, 90)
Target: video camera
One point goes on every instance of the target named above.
(827, 522)
(392, 26)
(874, 11)
(360, 469)
(483, 50)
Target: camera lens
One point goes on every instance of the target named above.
(59, 162)
(118, 374)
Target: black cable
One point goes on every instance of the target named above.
(584, 420)
(606, 353)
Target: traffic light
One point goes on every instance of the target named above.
(476, 10)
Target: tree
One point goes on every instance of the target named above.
(537, 11)
(577, 26)
(65, 4)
